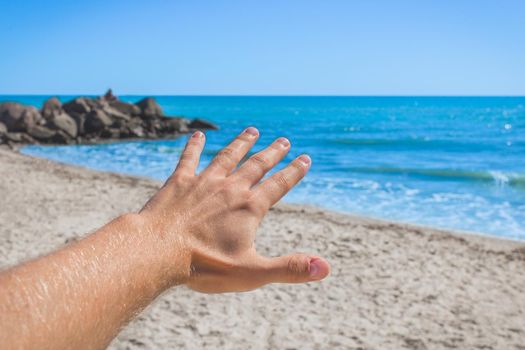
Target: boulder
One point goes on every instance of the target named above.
(17, 117)
(51, 107)
(30, 117)
(154, 124)
(96, 103)
(14, 136)
(202, 124)
(109, 96)
(62, 138)
(80, 120)
(126, 108)
(41, 133)
(115, 113)
(96, 121)
(179, 125)
(149, 107)
(86, 119)
(77, 106)
(10, 112)
(137, 131)
(110, 133)
(64, 123)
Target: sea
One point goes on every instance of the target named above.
(448, 162)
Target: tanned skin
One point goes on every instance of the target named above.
(197, 230)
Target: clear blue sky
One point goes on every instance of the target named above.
(267, 47)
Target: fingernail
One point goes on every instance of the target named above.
(197, 134)
(314, 268)
(252, 131)
(283, 141)
(305, 159)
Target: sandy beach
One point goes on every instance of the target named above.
(392, 285)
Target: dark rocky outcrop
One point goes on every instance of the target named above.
(51, 107)
(96, 120)
(77, 106)
(57, 119)
(126, 108)
(41, 133)
(109, 96)
(202, 124)
(63, 122)
(149, 107)
(17, 117)
(91, 120)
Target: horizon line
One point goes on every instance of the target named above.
(262, 95)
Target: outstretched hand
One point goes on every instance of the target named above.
(213, 217)
(197, 230)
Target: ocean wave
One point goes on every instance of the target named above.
(390, 142)
(497, 177)
(422, 143)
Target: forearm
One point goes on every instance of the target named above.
(80, 296)
(197, 229)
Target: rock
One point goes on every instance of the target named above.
(10, 112)
(110, 133)
(154, 125)
(96, 103)
(64, 123)
(96, 121)
(77, 106)
(136, 131)
(14, 136)
(19, 137)
(115, 113)
(41, 133)
(179, 125)
(30, 117)
(61, 137)
(149, 107)
(80, 120)
(51, 107)
(17, 117)
(126, 108)
(202, 124)
(109, 96)
(86, 120)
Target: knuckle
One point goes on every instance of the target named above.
(298, 166)
(253, 203)
(244, 137)
(260, 160)
(179, 178)
(225, 157)
(276, 147)
(282, 181)
(231, 196)
(297, 266)
(186, 156)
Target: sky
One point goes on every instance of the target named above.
(157, 47)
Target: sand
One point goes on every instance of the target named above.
(392, 286)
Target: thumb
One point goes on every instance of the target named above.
(297, 268)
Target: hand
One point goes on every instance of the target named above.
(213, 217)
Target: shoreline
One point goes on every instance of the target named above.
(18, 150)
(393, 285)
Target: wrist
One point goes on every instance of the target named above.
(164, 253)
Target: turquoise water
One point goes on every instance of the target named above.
(447, 162)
